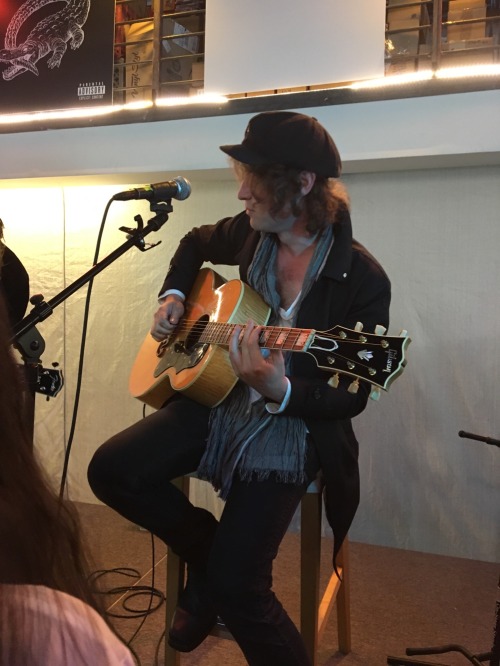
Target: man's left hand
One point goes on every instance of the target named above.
(265, 375)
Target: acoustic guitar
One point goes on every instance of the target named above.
(195, 358)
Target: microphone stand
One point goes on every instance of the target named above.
(479, 438)
(26, 337)
(493, 656)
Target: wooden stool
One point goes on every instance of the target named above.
(314, 611)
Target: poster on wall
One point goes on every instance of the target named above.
(55, 54)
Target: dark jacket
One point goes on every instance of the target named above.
(352, 287)
(14, 286)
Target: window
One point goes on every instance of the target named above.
(159, 44)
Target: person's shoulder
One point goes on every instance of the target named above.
(240, 219)
(12, 268)
(236, 229)
(366, 259)
(231, 225)
(9, 257)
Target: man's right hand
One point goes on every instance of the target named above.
(167, 317)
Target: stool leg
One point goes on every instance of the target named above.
(310, 551)
(344, 601)
(314, 611)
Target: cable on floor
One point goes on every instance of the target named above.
(134, 591)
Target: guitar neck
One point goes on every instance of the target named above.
(372, 357)
(271, 337)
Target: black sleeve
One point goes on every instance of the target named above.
(14, 286)
(219, 243)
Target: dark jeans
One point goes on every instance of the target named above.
(131, 474)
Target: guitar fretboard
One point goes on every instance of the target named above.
(271, 337)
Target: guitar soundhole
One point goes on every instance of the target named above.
(194, 335)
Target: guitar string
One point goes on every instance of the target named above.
(201, 327)
(287, 345)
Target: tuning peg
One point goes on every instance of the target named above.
(403, 333)
(358, 328)
(375, 393)
(380, 330)
(354, 386)
(334, 380)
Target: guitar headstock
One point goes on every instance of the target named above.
(375, 358)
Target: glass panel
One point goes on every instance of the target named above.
(160, 44)
(441, 34)
(408, 39)
(166, 61)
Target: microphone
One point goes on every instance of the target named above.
(178, 188)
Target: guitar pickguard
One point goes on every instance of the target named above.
(179, 355)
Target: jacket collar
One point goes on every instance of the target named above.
(338, 263)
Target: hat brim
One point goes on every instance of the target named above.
(245, 155)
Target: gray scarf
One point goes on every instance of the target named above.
(244, 438)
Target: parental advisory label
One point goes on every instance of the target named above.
(92, 90)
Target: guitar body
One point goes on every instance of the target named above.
(195, 358)
(202, 371)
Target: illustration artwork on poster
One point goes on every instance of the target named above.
(56, 54)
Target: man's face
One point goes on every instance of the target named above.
(257, 207)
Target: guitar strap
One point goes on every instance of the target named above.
(244, 438)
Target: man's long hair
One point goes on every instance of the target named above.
(281, 185)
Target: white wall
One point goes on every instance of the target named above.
(435, 230)
(437, 233)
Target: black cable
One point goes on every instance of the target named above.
(157, 651)
(135, 591)
(82, 357)
(96, 575)
(99, 573)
